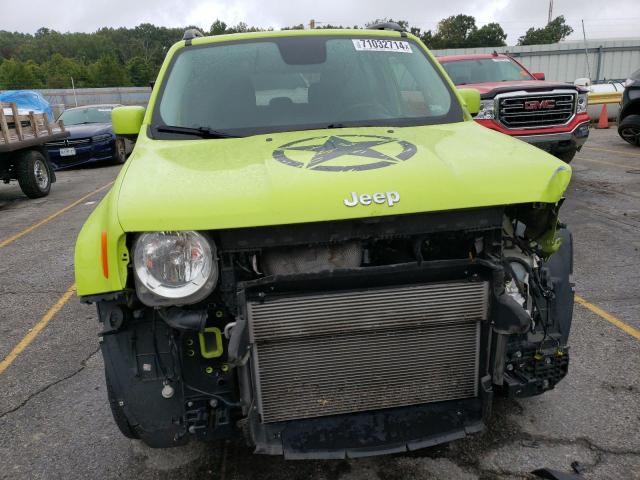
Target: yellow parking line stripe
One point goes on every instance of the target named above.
(608, 150)
(579, 157)
(33, 333)
(609, 318)
(13, 238)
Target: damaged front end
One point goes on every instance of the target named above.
(345, 338)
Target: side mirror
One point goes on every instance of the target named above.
(471, 99)
(582, 82)
(538, 76)
(127, 121)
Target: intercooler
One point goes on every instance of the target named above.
(350, 351)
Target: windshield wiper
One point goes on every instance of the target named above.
(203, 132)
(355, 125)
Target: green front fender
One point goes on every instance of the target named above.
(101, 263)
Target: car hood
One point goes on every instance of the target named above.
(487, 90)
(88, 130)
(306, 176)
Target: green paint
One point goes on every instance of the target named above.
(127, 120)
(471, 99)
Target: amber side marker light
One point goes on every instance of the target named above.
(105, 259)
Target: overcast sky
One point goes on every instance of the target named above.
(603, 19)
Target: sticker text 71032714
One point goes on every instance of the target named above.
(381, 45)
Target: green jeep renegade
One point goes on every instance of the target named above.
(314, 246)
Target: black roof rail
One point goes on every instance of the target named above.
(192, 33)
(386, 26)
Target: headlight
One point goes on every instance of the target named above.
(174, 268)
(582, 103)
(628, 82)
(101, 138)
(486, 110)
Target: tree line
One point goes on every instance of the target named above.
(132, 56)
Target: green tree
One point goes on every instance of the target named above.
(59, 70)
(555, 31)
(140, 71)
(10, 43)
(243, 28)
(404, 24)
(218, 28)
(17, 75)
(455, 32)
(36, 72)
(427, 38)
(107, 72)
(489, 35)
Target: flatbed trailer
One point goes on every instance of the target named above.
(23, 156)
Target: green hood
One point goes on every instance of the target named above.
(297, 177)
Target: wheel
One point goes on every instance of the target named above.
(118, 414)
(629, 129)
(567, 155)
(33, 174)
(120, 155)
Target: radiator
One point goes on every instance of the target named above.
(339, 352)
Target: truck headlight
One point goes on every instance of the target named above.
(174, 268)
(487, 110)
(582, 103)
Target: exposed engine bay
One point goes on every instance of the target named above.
(316, 331)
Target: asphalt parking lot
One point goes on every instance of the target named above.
(55, 421)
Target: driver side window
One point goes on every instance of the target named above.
(413, 101)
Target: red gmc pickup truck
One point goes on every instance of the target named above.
(550, 115)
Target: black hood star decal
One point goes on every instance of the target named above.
(361, 152)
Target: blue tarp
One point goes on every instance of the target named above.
(28, 100)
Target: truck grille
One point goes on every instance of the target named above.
(351, 351)
(531, 111)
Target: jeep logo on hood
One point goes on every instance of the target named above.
(343, 153)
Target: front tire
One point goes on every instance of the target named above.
(34, 176)
(629, 129)
(120, 155)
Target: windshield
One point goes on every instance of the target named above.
(79, 116)
(499, 69)
(299, 83)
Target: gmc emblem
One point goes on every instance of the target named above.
(539, 104)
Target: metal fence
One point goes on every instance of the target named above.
(600, 60)
(89, 96)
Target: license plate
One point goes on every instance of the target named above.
(67, 152)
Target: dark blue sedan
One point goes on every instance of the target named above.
(91, 138)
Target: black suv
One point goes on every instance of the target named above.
(629, 118)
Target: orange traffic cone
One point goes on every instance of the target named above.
(603, 121)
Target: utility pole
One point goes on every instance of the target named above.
(550, 12)
(586, 51)
(73, 87)
(312, 24)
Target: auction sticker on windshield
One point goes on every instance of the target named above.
(380, 45)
